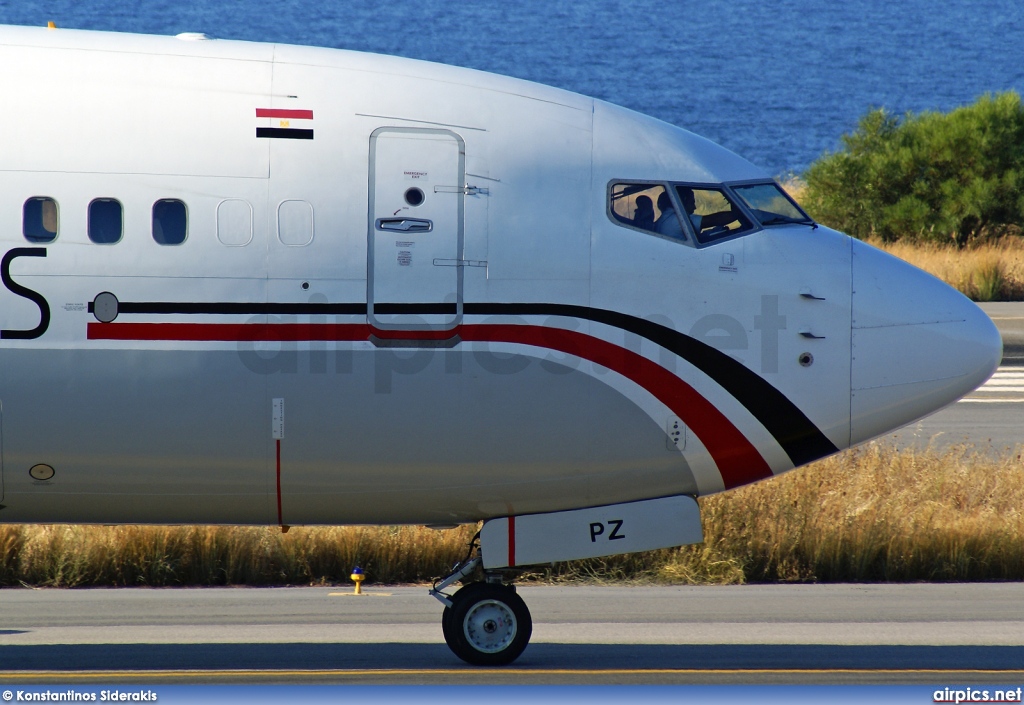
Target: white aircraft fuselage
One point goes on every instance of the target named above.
(410, 293)
(264, 284)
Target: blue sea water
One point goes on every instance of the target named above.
(778, 82)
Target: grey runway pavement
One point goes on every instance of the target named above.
(582, 634)
(1009, 319)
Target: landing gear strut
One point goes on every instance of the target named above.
(485, 623)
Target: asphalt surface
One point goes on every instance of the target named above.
(582, 634)
(1009, 319)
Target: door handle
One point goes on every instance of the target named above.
(466, 190)
(405, 225)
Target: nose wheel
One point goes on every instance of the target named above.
(487, 624)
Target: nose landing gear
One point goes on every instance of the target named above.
(485, 623)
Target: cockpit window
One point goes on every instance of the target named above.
(711, 213)
(647, 207)
(770, 205)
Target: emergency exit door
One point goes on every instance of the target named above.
(415, 228)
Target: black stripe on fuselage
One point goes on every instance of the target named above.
(284, 133)
(262, 309)
(237, 309)
(798, 436)
(415, 309)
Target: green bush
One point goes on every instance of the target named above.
(936, 176)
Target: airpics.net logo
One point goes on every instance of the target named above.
(977, 695)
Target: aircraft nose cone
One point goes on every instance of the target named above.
(917, 344)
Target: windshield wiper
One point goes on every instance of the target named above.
(785, 219)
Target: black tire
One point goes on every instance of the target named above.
(446, 625)
(487, 624)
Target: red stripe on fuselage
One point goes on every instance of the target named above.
(738, 460)
(280, 514)
(511, 541)
(231, 332)
(284, 114)
(736, 457)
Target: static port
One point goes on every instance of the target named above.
(41, 472)
(806, 359)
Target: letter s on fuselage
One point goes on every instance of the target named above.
(428, 265)
(33, 296)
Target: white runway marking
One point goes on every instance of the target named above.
(1005, 387)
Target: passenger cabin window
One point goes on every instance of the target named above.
(295, 223)
(646, 207)
(234, 222)
(39, 219)
(170, 222)
(105, 221)
(770, 204)
(711, 214)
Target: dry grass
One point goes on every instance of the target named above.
(875, 513)
(871, 514)
(70, 556)
(984, 270)
(794, 186)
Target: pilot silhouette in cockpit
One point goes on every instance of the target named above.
(643, 216)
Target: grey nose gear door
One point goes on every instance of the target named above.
(415, 228)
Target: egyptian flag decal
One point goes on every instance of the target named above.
(276, 123)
